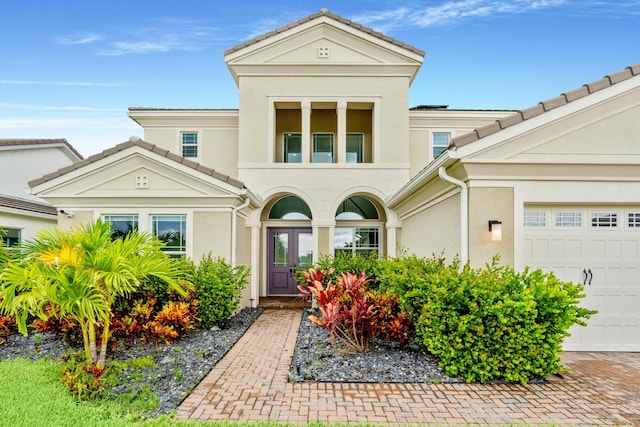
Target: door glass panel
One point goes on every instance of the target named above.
(305, 249)
(281, 249)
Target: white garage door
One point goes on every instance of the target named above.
(599, 247)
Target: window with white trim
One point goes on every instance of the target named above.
(535, 219)
(604, 219)
(11, 237)
(323, 148)
(355, 148)
(172, 230)
(121, 225)
(568, 219)
(633, 219)
(189, 144)
(356, 240)
(440, 143)
(292, 145)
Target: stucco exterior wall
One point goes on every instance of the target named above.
(490, 204)
(28, 226)
(255, 93)
(214, 234)
(433, 230)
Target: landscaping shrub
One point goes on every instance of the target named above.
(354, 314)
(491, 323)
(335, 266)
(218, 288)
(84, 378)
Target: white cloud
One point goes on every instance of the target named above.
(56, 83)
(73, 108)
(448, 12)
(86, 38)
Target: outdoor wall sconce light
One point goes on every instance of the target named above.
(495, 227)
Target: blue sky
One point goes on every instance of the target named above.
(70, 69)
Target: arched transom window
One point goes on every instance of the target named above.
(290, 207)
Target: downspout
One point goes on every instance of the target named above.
(464, 213)
(234, 226)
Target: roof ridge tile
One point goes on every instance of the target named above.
(147, 146)
(548, 105)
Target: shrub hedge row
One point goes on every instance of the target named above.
(484, 324)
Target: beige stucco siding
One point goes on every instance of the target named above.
(490, 204)
(255, 111)
(214, 234)
(433, 230)
(28, 225)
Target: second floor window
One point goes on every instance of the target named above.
(440, 143)
(355, 147)
(189, 144)
(292, 148)
(322, 148)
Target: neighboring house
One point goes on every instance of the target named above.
(324, 156)
(22, 214)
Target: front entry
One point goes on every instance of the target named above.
(287, 250)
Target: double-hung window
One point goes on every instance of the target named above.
(189, 141)
(440, 143)
(355, 147)
(356, 240)
(172, 230)
(292, 148)
(323, 148)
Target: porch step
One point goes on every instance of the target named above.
(283, 303)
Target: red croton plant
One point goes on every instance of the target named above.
(354, 314)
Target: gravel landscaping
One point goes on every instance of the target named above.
(316, 360)
(179, 367)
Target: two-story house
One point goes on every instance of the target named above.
(23, 214)
(324, 155)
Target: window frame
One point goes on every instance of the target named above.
(134, 218)
(436, 146)
(182, 219)
(314, 150)
(359, 152)
(190, 145)
(354, 226)
(285, 147)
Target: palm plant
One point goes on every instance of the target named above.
(78, 274)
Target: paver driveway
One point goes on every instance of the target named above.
(250, 383)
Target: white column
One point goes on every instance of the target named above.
(341, 149)
(392, 240)
(255, 265)
(306, 131)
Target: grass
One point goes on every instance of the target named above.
(31, 394)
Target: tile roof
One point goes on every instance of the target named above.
(21, 142)
(26, 205)
(544, 106)
(335, 17)
(134, 142)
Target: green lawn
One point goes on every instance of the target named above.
(31, 394)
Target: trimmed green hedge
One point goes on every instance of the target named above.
(486, 324)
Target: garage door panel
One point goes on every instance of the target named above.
(610, 255)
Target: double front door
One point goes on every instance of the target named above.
(288, 249)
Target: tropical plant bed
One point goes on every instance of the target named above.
(315, 359)
(164, 374)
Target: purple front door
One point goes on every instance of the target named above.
(287, 250)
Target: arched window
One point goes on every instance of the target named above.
(290, 207)
(357, 227)
(357, 207)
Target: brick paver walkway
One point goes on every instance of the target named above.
(251, 383)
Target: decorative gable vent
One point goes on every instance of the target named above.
(323, 52)
(142, 181)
